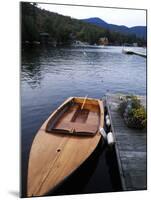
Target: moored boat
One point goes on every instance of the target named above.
(65, 140)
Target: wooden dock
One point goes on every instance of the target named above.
(130, 146)
(127, 51)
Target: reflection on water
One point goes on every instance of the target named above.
(50, 75)
(91, 71)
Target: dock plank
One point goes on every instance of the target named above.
(131, 147)
(131, 52)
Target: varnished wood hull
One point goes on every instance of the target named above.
(54, 156)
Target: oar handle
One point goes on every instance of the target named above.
(84, 102)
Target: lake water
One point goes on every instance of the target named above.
(50, 75)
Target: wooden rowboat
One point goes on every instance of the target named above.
(65, 140)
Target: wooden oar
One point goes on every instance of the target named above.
(84, 101)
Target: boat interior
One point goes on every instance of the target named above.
(80, 116)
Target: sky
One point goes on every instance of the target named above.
(127, 17)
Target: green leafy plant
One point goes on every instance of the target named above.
(133, 112)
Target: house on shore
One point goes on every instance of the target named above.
(135, 44)
(45, 38)
(103, 41)
(79, 43)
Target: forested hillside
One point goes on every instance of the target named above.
(64, 30)
(139, 31)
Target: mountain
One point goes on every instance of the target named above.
(139, 31)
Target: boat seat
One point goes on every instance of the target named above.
(76, 127)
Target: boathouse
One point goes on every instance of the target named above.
(44, 38)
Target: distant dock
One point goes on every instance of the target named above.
(127, 51)
(130, 146)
